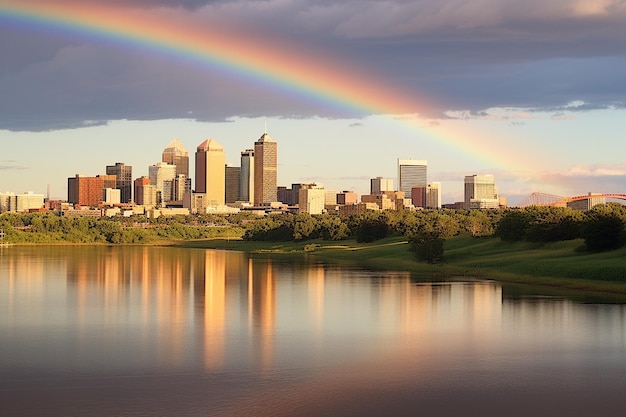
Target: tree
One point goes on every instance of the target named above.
(512, 226)
(604, 229)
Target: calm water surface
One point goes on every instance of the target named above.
(142, 331)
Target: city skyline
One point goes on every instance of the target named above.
(534, 106)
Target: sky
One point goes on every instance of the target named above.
(532, 92)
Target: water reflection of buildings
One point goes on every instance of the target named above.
(234, 299)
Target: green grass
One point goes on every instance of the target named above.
(559, 265)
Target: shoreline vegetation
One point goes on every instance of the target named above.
(551, 266)
(547, 247)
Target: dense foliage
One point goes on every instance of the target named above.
(602, 228)
(52, 228)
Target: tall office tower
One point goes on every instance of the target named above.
(123, 180)
(210, 172)
(265, 170)
(481, 192)
(246, 179)
(85, 191)
(182, 186)
(162, 176)
(412, 174)
(232, 184)
(380, 184)
(433, 195)
(176, 154)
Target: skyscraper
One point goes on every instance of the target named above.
(162, 176)
(481, 192)
(232, 184)
(265, 170)
(210, 171)
(176, 154)
(246, 180)
(412, 174)
(123, 180)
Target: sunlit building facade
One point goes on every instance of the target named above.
(481, 192)
(162, 176)
(176, 154)
(123, 180)
(412, 174)
(265, 170)
(85, 191)
(210, 172)
(311, 198)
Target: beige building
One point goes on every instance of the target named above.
(311, 198)
(111, 196)
(21, 202)
(211, 172)
(265, 170)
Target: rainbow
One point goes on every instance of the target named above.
(274, 63)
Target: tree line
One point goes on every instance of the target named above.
(138, 229)
(602, 227)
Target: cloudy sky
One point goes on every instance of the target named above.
(532, 92)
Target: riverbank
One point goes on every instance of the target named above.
(560, 265)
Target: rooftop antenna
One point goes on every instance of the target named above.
(265, 128)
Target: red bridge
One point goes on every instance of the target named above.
(543, 199)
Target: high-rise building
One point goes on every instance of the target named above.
(210, 172)
(265, 170)
(123, 180)
(232, 184)
(176, 154)
(85, 191)
(246, 179)
(182, 186)
(411, 174)
(433, 195)
(162, 176)
(380, 184)
(481, 192)
(145, 193)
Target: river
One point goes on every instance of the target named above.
(155, 331)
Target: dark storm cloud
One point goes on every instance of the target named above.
(463, 55)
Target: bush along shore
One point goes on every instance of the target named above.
(556, 247)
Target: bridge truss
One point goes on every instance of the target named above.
(543, 199)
